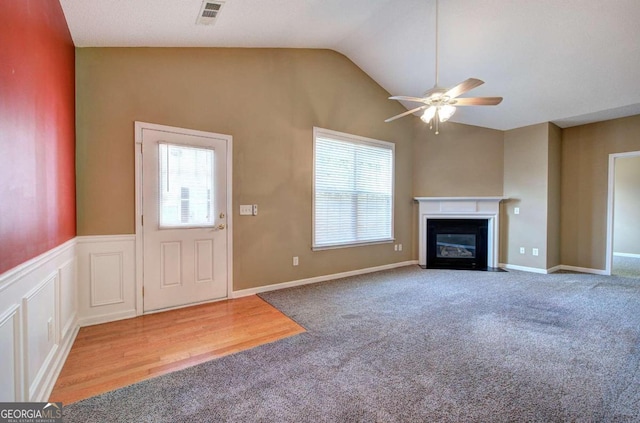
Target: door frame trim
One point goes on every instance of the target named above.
(610, 206)
(139, 127)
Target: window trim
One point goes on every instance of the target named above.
(357, 139)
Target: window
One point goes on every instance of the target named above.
(186, 183)
(353, 190)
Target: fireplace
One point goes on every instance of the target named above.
(457, 244)
(460, 209)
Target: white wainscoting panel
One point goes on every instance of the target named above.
(39, 317)
(10, 362)
(68, 305)
(106, 278)
(34, 298)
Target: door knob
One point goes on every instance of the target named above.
(221, 226)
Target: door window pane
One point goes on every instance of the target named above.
(186, 186)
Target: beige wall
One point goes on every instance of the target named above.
(626, 232)
(553, 195)
(461, 161)
(268, 100)
(585, 157)
(526, 170)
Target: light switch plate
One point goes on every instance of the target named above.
(246, 210)
(534, 251)
(516, 210)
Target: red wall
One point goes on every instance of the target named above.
(37, 132)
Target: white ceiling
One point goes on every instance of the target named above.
(565, 61)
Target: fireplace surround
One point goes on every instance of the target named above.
(486, 209)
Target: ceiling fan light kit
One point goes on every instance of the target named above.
(439, 104)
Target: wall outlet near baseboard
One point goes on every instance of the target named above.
(534, 251)
(295, 260)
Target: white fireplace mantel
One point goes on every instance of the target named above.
(460, 208)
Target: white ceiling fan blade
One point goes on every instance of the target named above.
(463, 87)
(405, 98)
(477, 101)
(408, 112)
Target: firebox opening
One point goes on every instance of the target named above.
(457, 244)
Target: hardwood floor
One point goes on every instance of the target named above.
(112, 355)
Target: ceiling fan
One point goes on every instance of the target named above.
(440, 103)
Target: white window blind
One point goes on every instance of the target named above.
(186, 186)
(353, 190)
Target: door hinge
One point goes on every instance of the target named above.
(143, 291)
(142, 220)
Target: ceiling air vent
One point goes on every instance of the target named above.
(209, 12)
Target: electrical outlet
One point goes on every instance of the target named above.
(534, 251)
(246, 210)
(395, 247)
(521, 250)
(255, 210)
(516, 210)
(399, 247)
(295, 260)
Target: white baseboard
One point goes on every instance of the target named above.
(316, 279)
(554, 269)
(56, 366)
(106, 318)
(630, 255)
(523, 268)
(584, 270)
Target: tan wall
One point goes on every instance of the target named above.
(626, 229)
(268, 100)
(526, 158)
(461, 161)
(553, 196)
(585, 157)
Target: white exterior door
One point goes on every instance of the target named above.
(184, 215)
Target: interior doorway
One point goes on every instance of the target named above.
(623, 234)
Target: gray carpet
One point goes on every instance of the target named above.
(413, 345)
(628, 267)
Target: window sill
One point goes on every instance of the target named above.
(359, 244)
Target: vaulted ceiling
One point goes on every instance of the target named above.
(565, 61)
